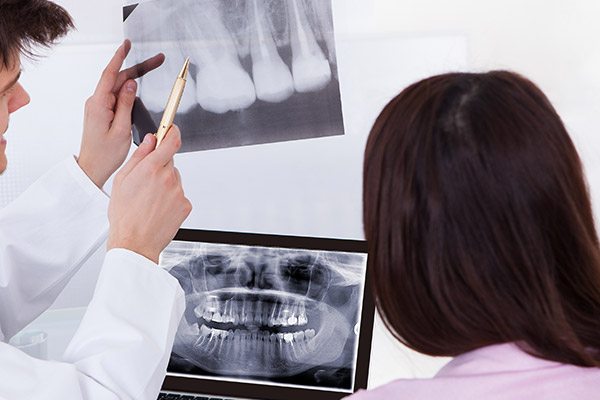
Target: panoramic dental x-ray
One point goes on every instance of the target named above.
(267, 314)
(262, 70)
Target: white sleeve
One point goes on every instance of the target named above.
(122, 346)
(46, 235)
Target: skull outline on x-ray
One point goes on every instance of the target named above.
(266, 312)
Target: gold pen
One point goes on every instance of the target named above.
(173, 103)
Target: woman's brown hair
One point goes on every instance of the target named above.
(479, 221)
(27, 23)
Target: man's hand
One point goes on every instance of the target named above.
(107, 120)
(148, 206)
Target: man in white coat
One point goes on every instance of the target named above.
(122, 346)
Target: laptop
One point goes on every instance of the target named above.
(269, 317)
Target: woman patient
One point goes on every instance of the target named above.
(482, 241)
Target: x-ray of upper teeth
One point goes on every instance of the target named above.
(269, 314)
(262, 71)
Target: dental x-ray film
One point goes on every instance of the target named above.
(262, 71)
(283, 316)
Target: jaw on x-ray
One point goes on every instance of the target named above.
(251, 60)
(268, 312)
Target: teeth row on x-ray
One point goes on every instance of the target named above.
(205, 331)
(220, 83)
(251, 313)
(292, 346)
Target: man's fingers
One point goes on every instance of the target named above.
(111, 72)
(167, 149)
(138, 70)
(122, 122)
(145, 148)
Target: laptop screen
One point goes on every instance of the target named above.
(272, 311)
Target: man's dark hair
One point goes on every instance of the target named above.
(25, 24)
(479, 221)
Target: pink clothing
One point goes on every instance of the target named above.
(492, 373)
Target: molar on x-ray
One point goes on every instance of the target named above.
(262, 70)
(282, 315)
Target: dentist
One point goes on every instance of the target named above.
(122, 346)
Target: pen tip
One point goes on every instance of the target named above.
(184, 70)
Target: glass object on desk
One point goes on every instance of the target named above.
(34, 343)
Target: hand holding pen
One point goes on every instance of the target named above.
(148, 205)
(150, 185)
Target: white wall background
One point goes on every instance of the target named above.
(553, 42)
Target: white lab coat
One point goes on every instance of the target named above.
(122, 346)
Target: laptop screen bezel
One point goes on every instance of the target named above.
(258, 390)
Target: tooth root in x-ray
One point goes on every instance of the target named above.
(324, 16)
(272, 78)
(154, 91)
(310, 68)
(221, 83)
(310, 8)
(278, 21)
(237, 24)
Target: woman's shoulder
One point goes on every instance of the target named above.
(413, 389)
(495, 372)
